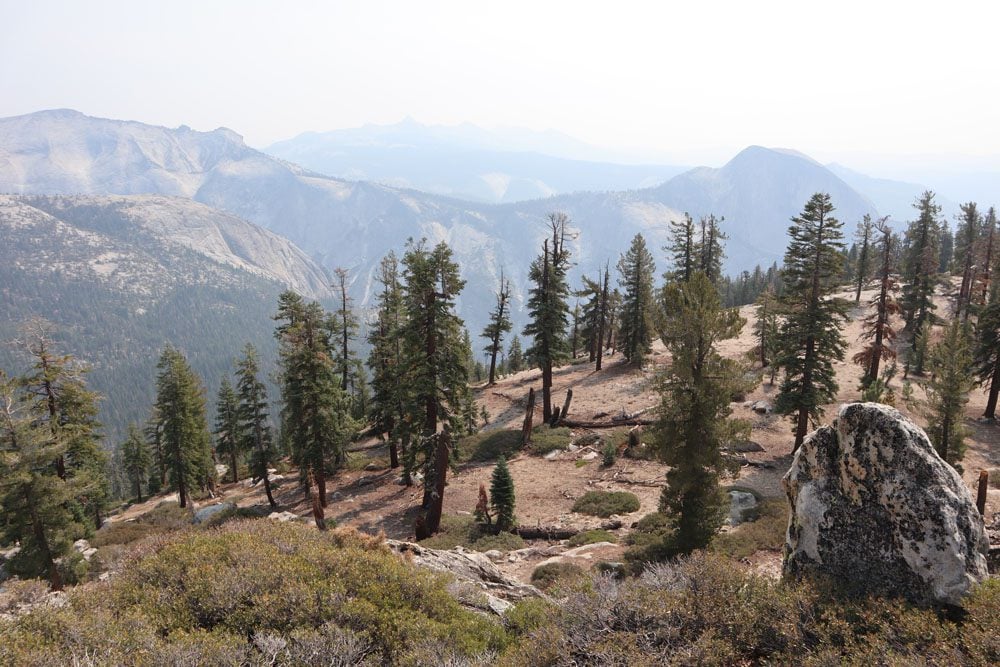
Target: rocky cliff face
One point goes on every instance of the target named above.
(876, 509)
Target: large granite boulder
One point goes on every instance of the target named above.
(876, 509)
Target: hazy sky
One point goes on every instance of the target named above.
(691, 81)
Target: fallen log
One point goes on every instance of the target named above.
(572, 423)
(560, 532)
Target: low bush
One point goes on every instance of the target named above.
(545, 439)
(702, 610)
(591, 537)
(606, 503)
(256, 592)
(464, 531)
(766, 532)
(489, 445)
(551, 577)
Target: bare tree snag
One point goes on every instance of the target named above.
(984, 481)
(565, 407)
(529, 415)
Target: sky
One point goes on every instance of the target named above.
(864, 83)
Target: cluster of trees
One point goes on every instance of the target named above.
(53, 485)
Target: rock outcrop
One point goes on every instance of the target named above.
(479, 583)
(875, 509)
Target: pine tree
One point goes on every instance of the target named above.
(682, 250)
(694, 411)
(152, 431)
(515, 357)
(499, 325)
(36, 504)
(254, 429)
(765, 327)
(436, 372)
(590, 315)
(180, 403)
(315, 417)
(863, 265)
(637, 327)
(985, 269)
(710, 248)
(951, 365)
(344, 328)
(548, 307)
(502, 496)
(68, 409)
(920, 267)
(228, 440)
(386, 361)
(136, 459)
(878, 325)
(966, 250)
(605, 320)
(987, 352)
(810, 337)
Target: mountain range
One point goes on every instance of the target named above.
(141, 219)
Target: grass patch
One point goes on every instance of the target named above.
(489, 445)
(545, 439)
(767, 532)
(592, 537)
(580, 463)
(460, 530)
(358, 461)
(557, 576)
(167, 517)
(606, 503)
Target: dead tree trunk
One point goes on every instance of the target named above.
(984, 481)
(529, 415)
(565, 407)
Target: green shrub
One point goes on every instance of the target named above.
(648, 540)
(123, 532)
(766, 532)
(702, 610)
(557, 576)
(490, 445)
(528, 615)
(608, 455)
(591, 537)
(228, 595)
(460, 530)
(606, 503)
(545, 439)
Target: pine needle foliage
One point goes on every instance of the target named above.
(502, 496)
(810, 336)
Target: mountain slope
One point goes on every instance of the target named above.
(120, 277)
(353, 224)
(892, 198)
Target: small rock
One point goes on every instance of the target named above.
(497, 605)
(745, 446)
(613, 568)
(493, 554)
(741, 503)
(589, 456)
(551, 456)
(762, 407)
(221, 469)
(206, 513)
(374, 466)
(283, 516)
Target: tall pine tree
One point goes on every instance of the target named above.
(387, 363)
(227, 427)
(548, 307)
(920, 269)
(637, 326)
(180, 403)
(136, 459)
(951, 365)
(252, 419)
(499, 325)
(810, 337)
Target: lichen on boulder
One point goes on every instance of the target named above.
(875, 509)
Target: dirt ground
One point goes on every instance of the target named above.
(374, 502)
